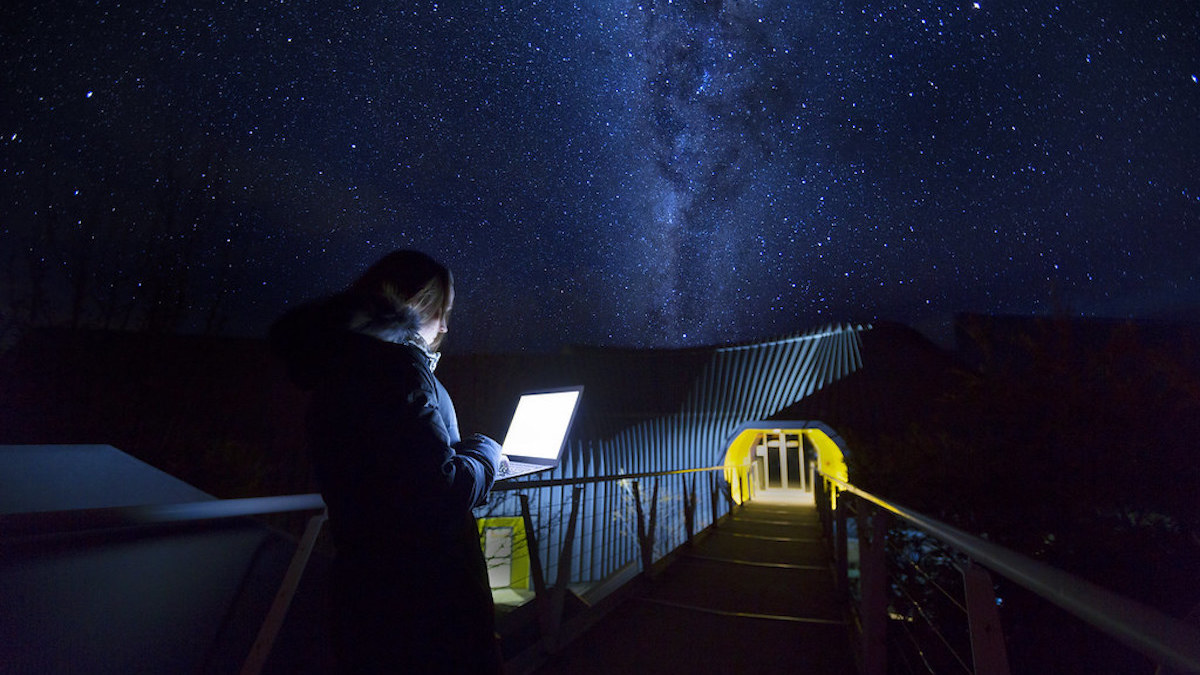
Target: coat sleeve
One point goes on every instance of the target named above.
(416, 452)
(486, 452)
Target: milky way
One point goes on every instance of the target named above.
(622, 173)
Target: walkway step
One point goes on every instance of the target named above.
(755, 595)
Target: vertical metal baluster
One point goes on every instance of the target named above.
(563, 578)
(689, 507)
(841, 545)
(987, 635)
(535, 558)
(872, 556)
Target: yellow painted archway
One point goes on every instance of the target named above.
(831, 457)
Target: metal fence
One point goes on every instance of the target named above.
(925, 599)
(581, 532)
(596, 520)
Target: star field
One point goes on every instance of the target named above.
(621, 173)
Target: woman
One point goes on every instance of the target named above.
(410, 588)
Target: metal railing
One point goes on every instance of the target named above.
(622, 525)
(605, 528)
(57, 523)
(1160, 637)
(612, 528)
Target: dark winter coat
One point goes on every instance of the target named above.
(410, 587)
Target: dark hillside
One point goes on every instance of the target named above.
(215, 412)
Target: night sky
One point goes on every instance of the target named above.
(617, 173)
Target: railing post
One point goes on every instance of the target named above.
(987, 635)
(689, 506)
(825, 502)
(283, 598)
(712, 486)
(841, 545)
(822, 504)
(539, 579)
(653, 516)
(558, 595)
(645, 534)
(872, 556)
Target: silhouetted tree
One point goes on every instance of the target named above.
(1073, 442)
(128, 242)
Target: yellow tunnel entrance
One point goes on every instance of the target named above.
(774, 457)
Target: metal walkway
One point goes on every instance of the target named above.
(755, 595)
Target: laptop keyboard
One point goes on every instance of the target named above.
(511, 468)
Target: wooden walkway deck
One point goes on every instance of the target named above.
(755, 595)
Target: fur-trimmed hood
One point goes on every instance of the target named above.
(310, 337)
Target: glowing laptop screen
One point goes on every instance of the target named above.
(540, 424)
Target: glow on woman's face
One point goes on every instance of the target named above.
(433, 329)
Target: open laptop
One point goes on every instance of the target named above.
(538, 431)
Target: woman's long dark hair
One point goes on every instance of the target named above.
(405, 279)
